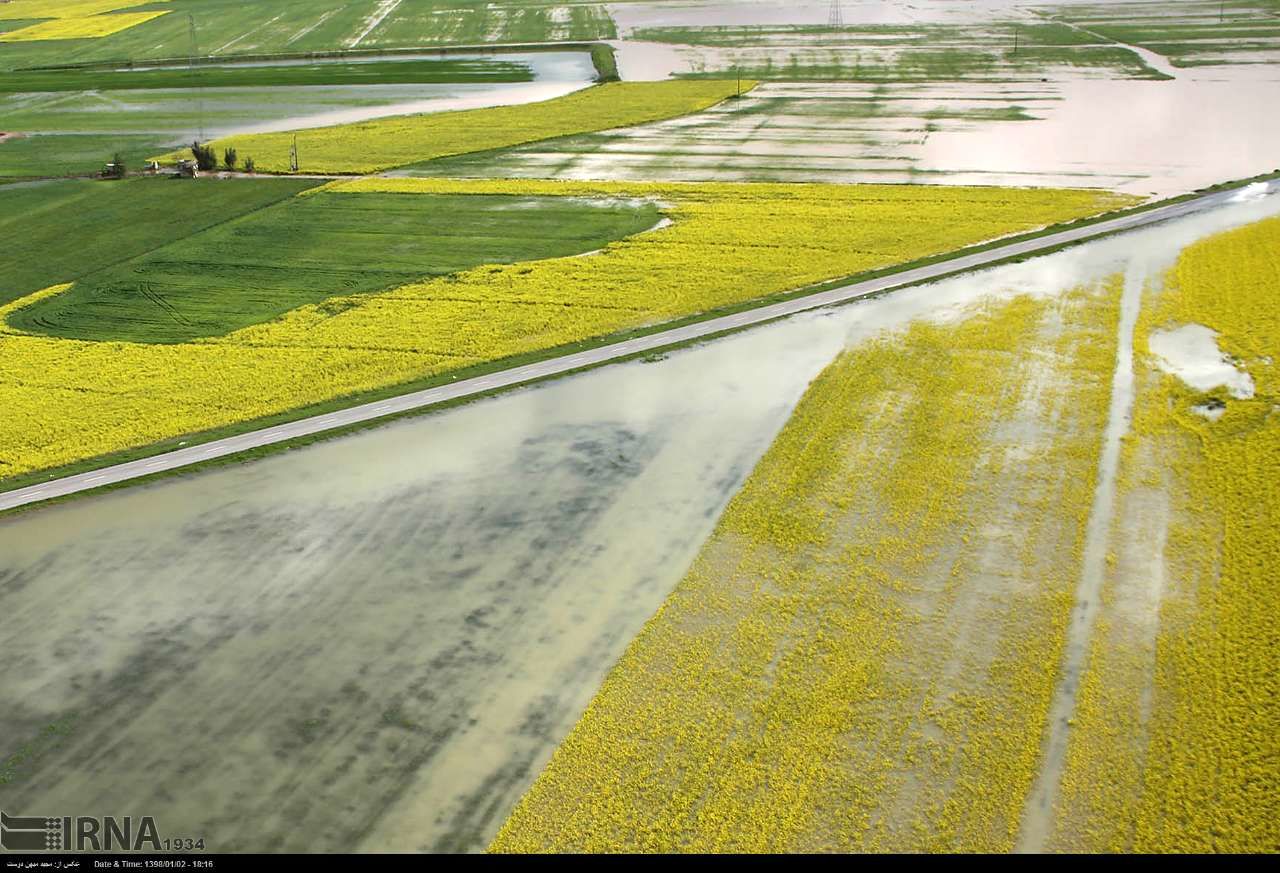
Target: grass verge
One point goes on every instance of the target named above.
(605, 61)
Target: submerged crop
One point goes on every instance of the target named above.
(1177, 740)
(862, 656)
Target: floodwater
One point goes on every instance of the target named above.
(1190, 352)
(640, 59)
(376, 642)
(546, 66)
(555, 74)
(812, 13)
(1110, 130)
(373, 643)
(427, 98)
(1125, 135)
(217, 112)
(1088, 127)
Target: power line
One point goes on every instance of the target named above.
(191, 66)
(835, 18)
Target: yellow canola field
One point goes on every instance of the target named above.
(863, 655)
(90, 27)
(1176, 744)
(67, 400)
(372, 146)
(25, 10)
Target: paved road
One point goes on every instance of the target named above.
(520, 375)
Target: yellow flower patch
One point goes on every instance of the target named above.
(1176, 746)
(863, 655)
(90, 27)
(26, 10)
(69, 400)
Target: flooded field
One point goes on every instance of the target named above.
(634, 16)
(942, 41)
(992, 93)
(1123, 135)
(1192, 33)
(314, 654)
(375, 643)
(175, 116)
(880, 647)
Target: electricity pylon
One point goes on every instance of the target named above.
(191, 67)
(835, 18)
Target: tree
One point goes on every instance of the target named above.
(206, 160)
(249, 165)
(229, 159)
(116, 169)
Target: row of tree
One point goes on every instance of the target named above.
(207, 159)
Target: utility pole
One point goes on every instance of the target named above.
(293, 155)
(191, 69)
(835, 18)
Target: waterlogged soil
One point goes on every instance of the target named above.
(938, 744)
(1057, 118)
(372, 643)
(182, 114)
(1130, 136)
(375, 643)
(814, 13)
(1191, 353)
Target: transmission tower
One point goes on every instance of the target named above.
(191, 68)
(835, 18)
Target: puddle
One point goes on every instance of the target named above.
(1250, 193)
(1213, 410)
(1191, 353)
